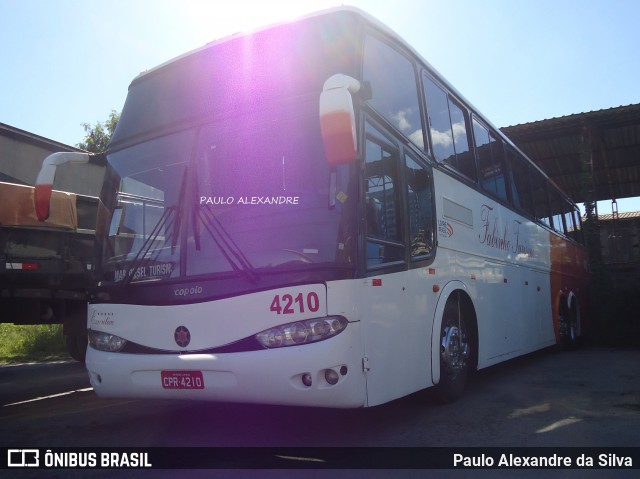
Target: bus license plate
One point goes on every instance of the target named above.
(182, 380)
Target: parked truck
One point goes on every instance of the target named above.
(47, 266)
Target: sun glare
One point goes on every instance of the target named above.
(213, 20)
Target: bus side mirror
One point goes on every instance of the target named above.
(44, 181)
(338, 120)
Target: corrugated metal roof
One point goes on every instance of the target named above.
(31, 138)
(593, 155)
(630, 215)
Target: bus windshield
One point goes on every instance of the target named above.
(247, 196)
(217, 167)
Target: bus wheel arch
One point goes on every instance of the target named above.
(454, 351)
(569, 320)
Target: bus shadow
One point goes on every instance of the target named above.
(245, 425)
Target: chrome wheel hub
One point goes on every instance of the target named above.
(454, 349)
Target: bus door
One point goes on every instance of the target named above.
(395, 324)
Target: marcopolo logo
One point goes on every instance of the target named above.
(23, 458)
(182, 336)
(188, 291)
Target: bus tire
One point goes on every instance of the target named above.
(569, 322)
(455, 353)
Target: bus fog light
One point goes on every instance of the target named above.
(331, 376)
(94, 377)
(307, 380)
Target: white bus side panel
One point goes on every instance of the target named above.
(396, 316)
(501, 260)
(504, 259)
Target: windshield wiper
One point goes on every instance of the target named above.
(229, 248)
(162, 224)
(140, 257)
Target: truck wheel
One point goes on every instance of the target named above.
(77, 346)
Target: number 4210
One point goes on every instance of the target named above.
(288, 304)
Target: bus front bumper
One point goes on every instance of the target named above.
(324, 374)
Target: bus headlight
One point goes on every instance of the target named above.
(302, 332)
(106, 342)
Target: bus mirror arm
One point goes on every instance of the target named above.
(365, 92)
(44, 181)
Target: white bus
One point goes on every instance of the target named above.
(311, 215)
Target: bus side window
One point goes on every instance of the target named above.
(420, 205)
(569, 221)
(490, 154)
(557, 210)
(521, 183)
(448, 127)
(578, 235)
(383, 218)
(541, 197)
(466, 162)
(393, 88)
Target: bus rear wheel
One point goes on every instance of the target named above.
(455, 354)
(569, 323)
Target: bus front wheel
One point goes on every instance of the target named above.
(455, 353)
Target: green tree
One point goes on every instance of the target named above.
(97, 136)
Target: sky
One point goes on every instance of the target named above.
(68, 62)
